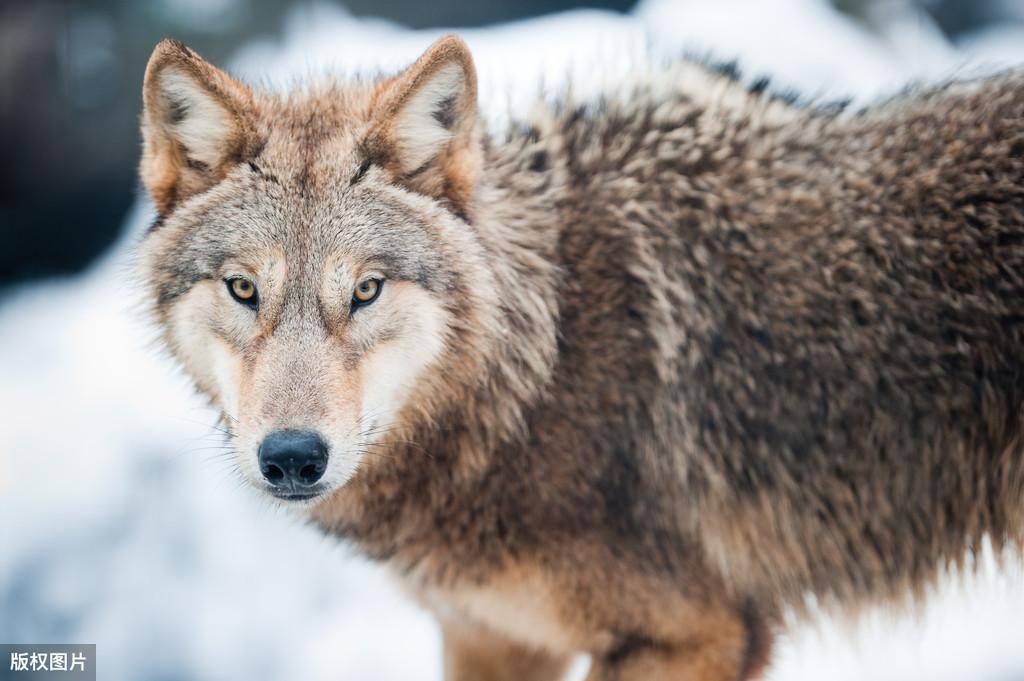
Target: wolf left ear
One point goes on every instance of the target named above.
(424, 123)
(195, 124)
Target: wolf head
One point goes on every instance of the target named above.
(313, 267)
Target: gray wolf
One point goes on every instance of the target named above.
(631, 379)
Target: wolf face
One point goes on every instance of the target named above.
(312, 266)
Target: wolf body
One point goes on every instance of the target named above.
(638, 375)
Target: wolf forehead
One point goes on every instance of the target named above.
(313, 137)
(253, 218)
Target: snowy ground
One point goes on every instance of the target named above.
(120, 524)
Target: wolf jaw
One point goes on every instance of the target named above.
(640, 375)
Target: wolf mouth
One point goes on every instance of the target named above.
(284, 495)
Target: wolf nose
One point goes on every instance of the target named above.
(293, 460)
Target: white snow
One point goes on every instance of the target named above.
(122, 525)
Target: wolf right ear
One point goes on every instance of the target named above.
(195, 124)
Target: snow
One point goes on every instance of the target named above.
(122, 524)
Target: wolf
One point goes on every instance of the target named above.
(635, 378)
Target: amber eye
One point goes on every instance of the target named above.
(243, 290)
(366, 292)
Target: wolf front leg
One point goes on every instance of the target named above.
(724, 646)
(475, 654)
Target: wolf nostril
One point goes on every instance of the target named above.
(273, 473)
(292, 460)
(310, 474)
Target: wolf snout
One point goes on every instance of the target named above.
(292, 461)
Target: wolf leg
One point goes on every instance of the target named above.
(721, 647)
(476, 654)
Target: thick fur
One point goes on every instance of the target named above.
(653, 368)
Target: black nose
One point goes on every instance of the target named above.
(293, 460)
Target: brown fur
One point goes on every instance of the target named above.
(472, 653)
(705, 352)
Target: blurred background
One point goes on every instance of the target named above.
(120, 523)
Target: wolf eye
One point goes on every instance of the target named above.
(366, 292)
(243, 290)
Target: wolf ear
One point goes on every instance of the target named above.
(424, 123)
(195, 124)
